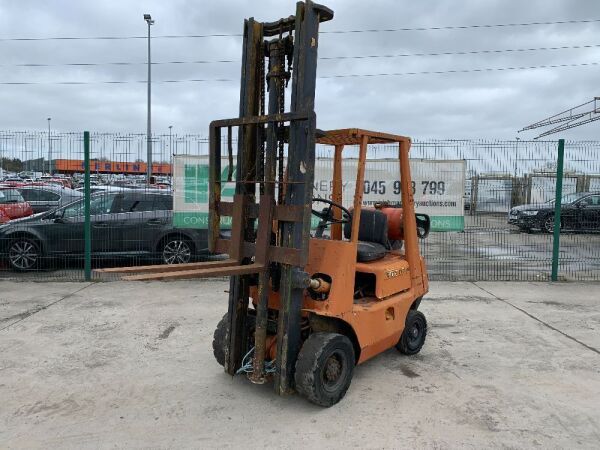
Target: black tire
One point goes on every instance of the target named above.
(176, 250)
(547, 224)
(324, 368)
(221, 335)
(24, 254)
(413, 337)
(219, 339)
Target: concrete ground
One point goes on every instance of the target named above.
(130, 365)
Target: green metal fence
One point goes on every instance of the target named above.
(499, 176)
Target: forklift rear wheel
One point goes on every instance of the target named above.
(324, 368)
(413, 336)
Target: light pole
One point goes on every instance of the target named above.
(516, 194)
(516, 154)
(171, 150)
(49, 149)
(150, 22)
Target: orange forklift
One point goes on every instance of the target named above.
(305, 306)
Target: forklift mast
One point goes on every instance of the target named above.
(274, 251)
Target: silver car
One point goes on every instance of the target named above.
(46, 197)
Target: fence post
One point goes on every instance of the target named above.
(87, 233)
(557, 208)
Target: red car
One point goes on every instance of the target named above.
(12, 205)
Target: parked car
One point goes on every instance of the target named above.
(12, 205)
(13, 181)
(103, 188)
(579, 211)
(47, 196)
(59, 181)
(27, 174)
(127, 223)
(110, 188)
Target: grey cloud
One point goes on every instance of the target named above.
(472, 105)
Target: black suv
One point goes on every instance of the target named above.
(579, 211)
(127, 223)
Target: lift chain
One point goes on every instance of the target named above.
(261, 129)
(287, 49)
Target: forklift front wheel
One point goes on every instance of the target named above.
(413, 336)
(221, 335)
(219, 339)
(324, 368)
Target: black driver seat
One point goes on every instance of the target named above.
(373, 240)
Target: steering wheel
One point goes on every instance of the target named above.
(326, 216)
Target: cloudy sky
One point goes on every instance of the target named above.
(491, 104)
